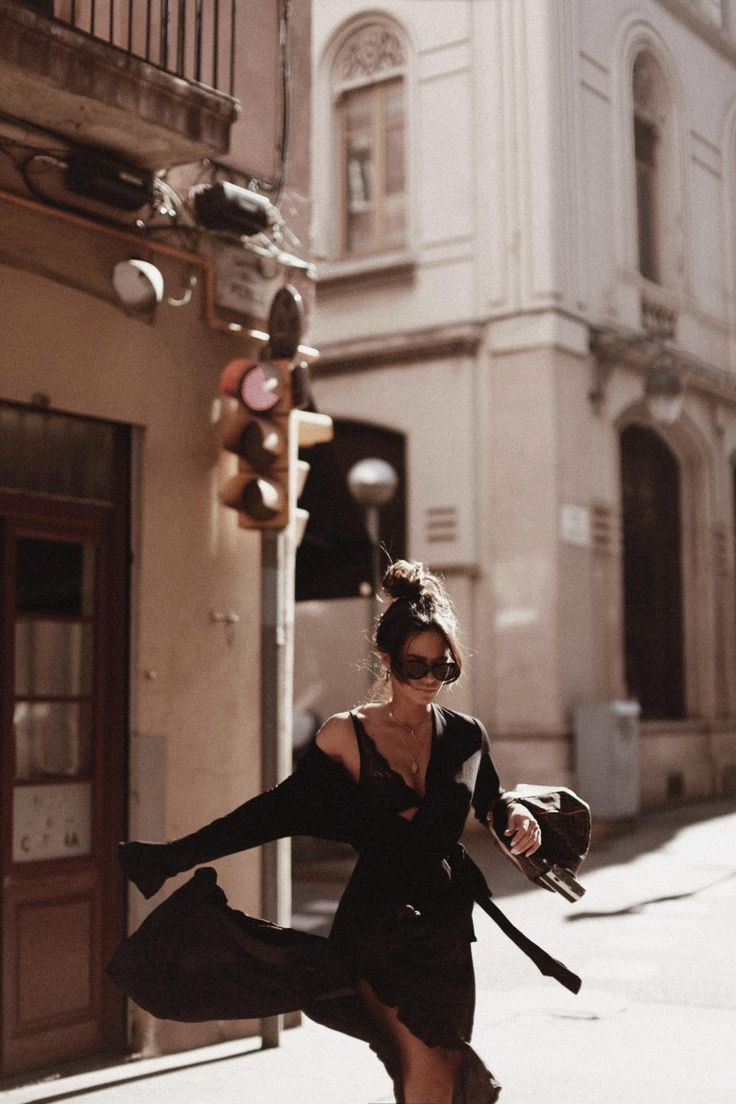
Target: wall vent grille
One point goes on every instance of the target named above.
(605, 529)
(441, 524)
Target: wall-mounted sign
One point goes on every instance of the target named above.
(52, 822)
(245, 282)
(575, 525)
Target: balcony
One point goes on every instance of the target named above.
(151, 80)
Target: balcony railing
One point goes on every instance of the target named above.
(192, 39)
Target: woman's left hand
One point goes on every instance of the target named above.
(524, 830)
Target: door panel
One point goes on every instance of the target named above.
(63, 779)
(54, 989)
(52, 993)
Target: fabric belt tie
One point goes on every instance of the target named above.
(480, 891)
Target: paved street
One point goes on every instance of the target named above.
(654, 1023)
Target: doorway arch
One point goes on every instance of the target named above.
(334, 559)
(651, 493)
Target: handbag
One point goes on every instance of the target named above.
(565, 823)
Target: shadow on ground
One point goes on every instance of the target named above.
(651, 832)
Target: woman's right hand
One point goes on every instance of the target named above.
(523, 830)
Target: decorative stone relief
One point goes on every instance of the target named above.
(369, 51)
(658, 319)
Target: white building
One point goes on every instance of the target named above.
(525, 218)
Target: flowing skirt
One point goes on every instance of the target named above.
(194, 958)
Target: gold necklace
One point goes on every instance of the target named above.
(413, 762)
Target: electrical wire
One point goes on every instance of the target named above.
(54, 158)
(181, 226)
(257, 183)
(25, 156)
(285, 96)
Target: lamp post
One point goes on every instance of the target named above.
(373, 483)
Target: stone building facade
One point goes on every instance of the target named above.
(526, 267)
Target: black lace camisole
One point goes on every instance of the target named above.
(387, 787)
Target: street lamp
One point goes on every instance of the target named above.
(373, 484)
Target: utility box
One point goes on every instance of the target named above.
(607, 758)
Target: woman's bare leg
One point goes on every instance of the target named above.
(428, 1073)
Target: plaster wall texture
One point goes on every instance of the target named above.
(194, 694)
(194, 712)
(440, 396)
(191, 556)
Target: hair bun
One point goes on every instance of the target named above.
(419, 604)
(405, 580)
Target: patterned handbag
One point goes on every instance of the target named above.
(564, 819)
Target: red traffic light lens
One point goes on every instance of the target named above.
(246, 380)
(258, 392)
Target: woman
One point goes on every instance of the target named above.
(396, 778)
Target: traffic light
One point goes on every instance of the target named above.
(266, 429)
(258, 433)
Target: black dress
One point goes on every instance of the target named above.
(403, 923)
(417, 957)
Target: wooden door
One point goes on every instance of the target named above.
(63, 653)
(652, 575)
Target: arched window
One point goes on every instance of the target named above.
(368, 81)
(650, 480)
(651, 112)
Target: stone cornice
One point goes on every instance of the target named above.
(400, 348)
(613, 346)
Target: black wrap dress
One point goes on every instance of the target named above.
(392, 948)
(404, 922)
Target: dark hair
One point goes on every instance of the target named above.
(420, 604)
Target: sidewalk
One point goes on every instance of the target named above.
(654, 1023)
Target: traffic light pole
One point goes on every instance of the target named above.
(265, 434)
(277, 622)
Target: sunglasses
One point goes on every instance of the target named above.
(444, 671)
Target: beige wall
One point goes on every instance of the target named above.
(195, 742)
(194, 685)
(522, 549)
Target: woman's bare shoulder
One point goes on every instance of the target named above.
(336, 735)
